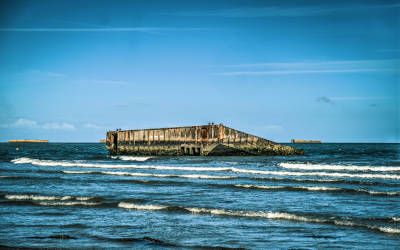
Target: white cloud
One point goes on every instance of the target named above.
(92, 126)
(149, 30)
(22, 122)
(290, 11)
(40, 74)
(27, 123)
(58, 125)
(45, 73)
(313, 67)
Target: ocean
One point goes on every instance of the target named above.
(70, 195)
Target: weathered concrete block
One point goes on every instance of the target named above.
(208, 139)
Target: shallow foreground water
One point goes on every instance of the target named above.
(68, 195)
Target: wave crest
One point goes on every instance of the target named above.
(131, 158)
(36, 197)
(191, 176)
(265, 215)
(25, 160)
(130, 205)
(303, 166)
(319, 188)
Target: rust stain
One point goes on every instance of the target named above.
(211, 139)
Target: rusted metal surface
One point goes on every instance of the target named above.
(211, 139)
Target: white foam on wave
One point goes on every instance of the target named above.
(320, 188)
(83, 198)
(131, 158)
(316, 188)
(262, 214)
(51, 163)
(324, 174)
(396, 218)
(130, 205)
(78, 172)
(68, 203)
(45, 200)
(191, 176)
(37, 162)
(379, 192)
(231, 169)
(258, 186)
(289, 187)
(384, 229)
(259, 214)
(387, 229)
(337, 167)
(36, 197)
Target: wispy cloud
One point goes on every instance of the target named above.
(58, 125)
(54, 77)
(109, 82)
(22, 122)
(359, 98)
(27, 123)
(333, 100)
(312, 67)
(39, 74)
(150, 30)
(290, 11)
(48, 73)
(92, 126)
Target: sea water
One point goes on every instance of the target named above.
(67, 195)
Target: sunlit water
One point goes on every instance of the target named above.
(76, 195)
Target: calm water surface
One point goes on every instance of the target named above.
(64, 195)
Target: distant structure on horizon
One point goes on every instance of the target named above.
(211, 139)
(102, 140)
(305, 141)
(28, 141)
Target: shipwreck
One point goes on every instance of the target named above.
(205, 140)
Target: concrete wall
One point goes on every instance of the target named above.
(193, 140)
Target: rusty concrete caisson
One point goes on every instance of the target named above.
(211, 139)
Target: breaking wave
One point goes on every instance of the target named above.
(37, 162)
(323, 174)
(337, 167)
(69, 203)
(53, 200)
(42, 197)
(131, 158)
(191, 176)
(140, 206)
(264, 215)
(289, 187)
(319, 188)
(50, 163)
(330, 181)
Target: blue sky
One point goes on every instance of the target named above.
(328, 70)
